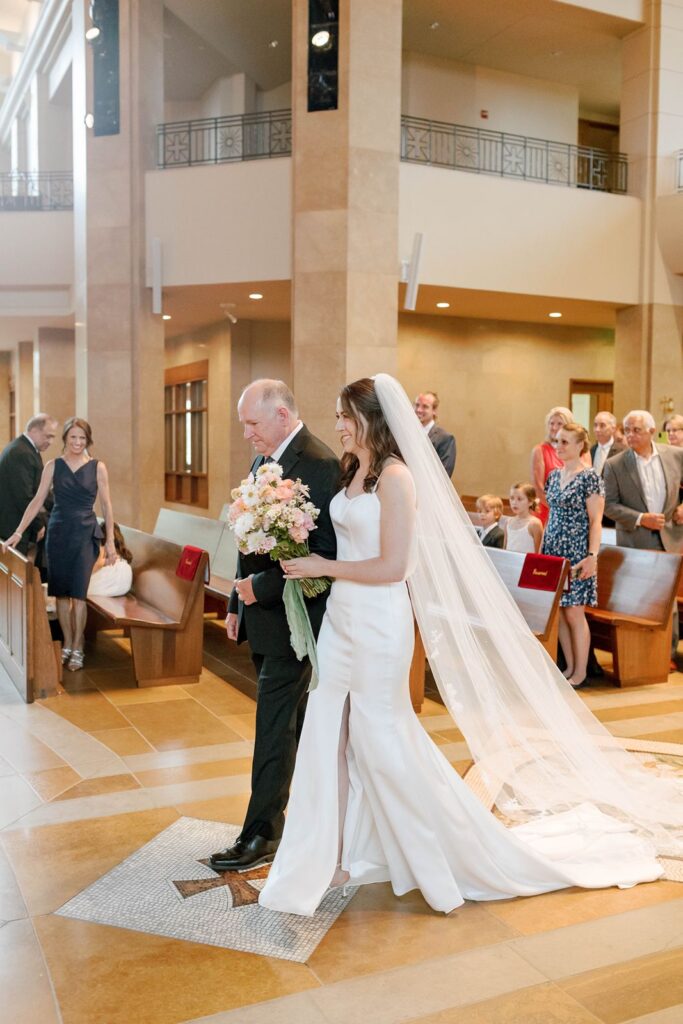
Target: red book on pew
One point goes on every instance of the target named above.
(189, 562)
(542, 572)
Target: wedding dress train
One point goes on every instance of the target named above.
(410, 818)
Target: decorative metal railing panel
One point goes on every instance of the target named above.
(258, 136)
(480, 151)
(216, 140)
(679, 171)
(24, 190)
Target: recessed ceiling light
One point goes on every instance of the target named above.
(443, 305)
(434, 25)
(92, 33)
(321, 39)
(554, 315)
(273, 44)
(556, 53)
(255, 295)
(166, 316)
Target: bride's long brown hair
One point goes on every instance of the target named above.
(360, 400)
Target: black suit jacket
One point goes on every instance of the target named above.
(264, 624)
(495, 538)
(445, 447)
(21, 468)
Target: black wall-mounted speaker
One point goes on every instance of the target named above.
(323, 54)
(107, 106)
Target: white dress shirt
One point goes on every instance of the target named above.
(652, 480)
(278, 453)
(601, 453)
(428, 426)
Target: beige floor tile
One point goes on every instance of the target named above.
(77, 853)
(553, 910)
(168, 725)
(541, 1004)
(672, 1015)
(648, 724)
(219, 697)
(146, 695)
(123, 741)
(643, 710)
(188, 755)
(297, 1009)
(52, 782)
(597, 944)
(6, 768)
(108, 975)
(666, 736)
(191, 772)
(448, 736)
(462, 767)
(88, 711)
(26, 993)
(243, 725)
(632, 989)
(111, 679)
(231, 809)
(100, 786)
(24, 752)
(379, 931)
(17, 799)
(12, 906)
(428, 987)
(432, 707)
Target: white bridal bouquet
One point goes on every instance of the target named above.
(272, 516)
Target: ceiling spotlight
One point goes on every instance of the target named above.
(226, 307)
(255, 295)
(443, 305)
(554, 315)
(321, 40)
(166, 316)
(273, 44)
(434, 25)
(92, 33)
(89, 120)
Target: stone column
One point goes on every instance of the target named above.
(55, 378)
(649, 353)
(119, 344)
(5, 370)
(23, 384)
(345, 210)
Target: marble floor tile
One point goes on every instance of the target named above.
(665, 736)
(648, 725)
(88, 711)
(379, 931)
(219, 697)
(51, 783)
(65, 742)
(123, 741)
(6, 768)
(12, 906)
(17, 799)
(111, 679)
(565, 907)
(105, 975)
(24, 980)
(231, 809)
(595, 944)
(631, 989)
(243, 725)
(189, 755)
(435, 723)
(23, 751)
(193, 772)
(146, 695)
(77, 853)
(168, 725)
(672, 1015)
(297, 1009)
(99, 786)
(615, 713)
(540, 1004)
(449, 736)
(424, 988)
(455, 751)
(85, 808)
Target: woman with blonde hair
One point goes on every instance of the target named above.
(544, 458)
(576, 497)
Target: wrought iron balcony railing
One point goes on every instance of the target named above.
(511, 156)
(258, 136)
(216, 140)
(679, 171)
(49, 190)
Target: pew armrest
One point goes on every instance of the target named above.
(129, 611)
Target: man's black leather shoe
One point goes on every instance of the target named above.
(244, 855)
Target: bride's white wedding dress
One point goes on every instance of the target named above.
(410, 818)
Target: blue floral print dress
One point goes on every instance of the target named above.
(568, 526)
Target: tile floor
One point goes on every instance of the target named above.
(87, 778)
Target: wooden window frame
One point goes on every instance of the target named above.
(181, 486)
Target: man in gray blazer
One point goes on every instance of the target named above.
(426, 405)
(642, 487)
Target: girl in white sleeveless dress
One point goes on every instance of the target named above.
(373, 798)
(524, 531)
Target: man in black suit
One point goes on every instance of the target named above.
(426, 406)
(605, 447)
(256, 613)
(21, 468)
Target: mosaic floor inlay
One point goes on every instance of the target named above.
(167, 888)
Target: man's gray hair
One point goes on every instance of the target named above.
(39, 422)
(641, 414)
(275, 392)
(611, 418)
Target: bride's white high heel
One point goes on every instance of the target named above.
(340, 879)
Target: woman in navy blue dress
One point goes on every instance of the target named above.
(576, 498)
(73, 534)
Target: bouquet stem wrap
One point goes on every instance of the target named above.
(300, 631)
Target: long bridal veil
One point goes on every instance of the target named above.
(537, 748)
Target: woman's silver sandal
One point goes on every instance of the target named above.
(75, 661)
(66, 654)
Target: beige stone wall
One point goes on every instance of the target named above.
(236, 355)
(496, 381)
(5, 369)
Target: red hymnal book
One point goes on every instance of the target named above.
(541, 572)
(189, 562)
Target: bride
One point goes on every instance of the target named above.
(373, 799)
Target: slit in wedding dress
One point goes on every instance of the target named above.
(341, 877)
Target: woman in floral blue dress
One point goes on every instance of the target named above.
(576, 498)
